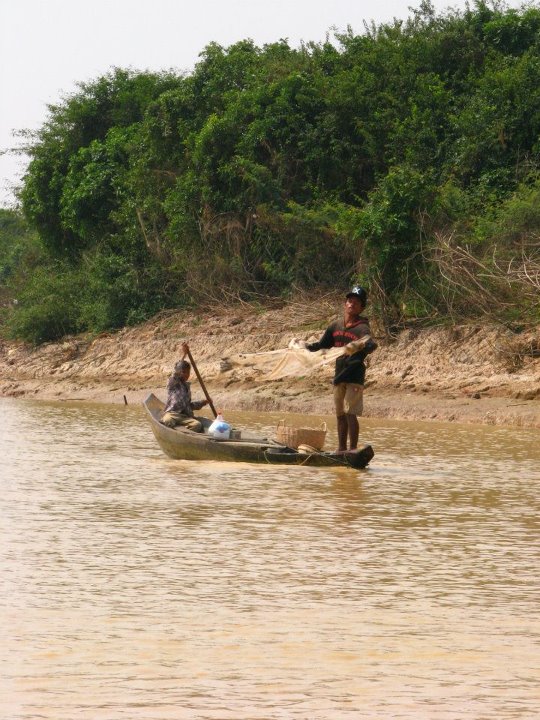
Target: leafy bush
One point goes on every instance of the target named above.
(48, 306)
(18, 243)
(389, 156)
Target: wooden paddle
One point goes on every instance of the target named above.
(201, 383)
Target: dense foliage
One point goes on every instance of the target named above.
(406, 157)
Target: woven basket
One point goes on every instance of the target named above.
(295, 436)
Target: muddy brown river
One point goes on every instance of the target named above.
(142, 588)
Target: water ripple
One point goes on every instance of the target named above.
(134, 586)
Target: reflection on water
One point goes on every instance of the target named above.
(135, 586)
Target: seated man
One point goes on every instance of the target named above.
(179, 408)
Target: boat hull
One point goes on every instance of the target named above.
(183, 444)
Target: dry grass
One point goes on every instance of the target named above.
(491, 285)
(515, 350)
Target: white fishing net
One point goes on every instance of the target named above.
(289, 362)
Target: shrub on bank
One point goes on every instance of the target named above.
(405, 157)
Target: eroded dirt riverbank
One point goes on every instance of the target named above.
(469, 373)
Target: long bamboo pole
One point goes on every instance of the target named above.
(199, 378)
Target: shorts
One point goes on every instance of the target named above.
(349, 399)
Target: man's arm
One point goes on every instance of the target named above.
(325, 343)
(365, 344)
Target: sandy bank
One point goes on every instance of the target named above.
(473, 374)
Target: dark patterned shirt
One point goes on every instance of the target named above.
(179, 397)
(349, 368)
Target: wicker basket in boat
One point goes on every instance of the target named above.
(295, 436)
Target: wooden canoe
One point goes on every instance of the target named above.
(184, 444)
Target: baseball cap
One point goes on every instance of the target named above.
(358, 292)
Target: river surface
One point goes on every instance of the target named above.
(139, 587)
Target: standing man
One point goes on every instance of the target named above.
(352, 333)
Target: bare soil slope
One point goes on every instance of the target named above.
(469, 373)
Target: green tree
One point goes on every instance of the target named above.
(375, 155)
